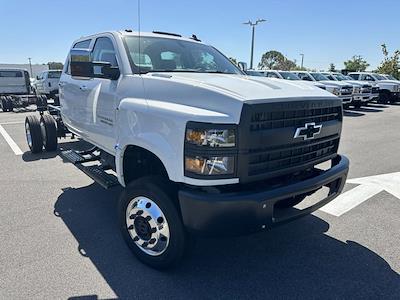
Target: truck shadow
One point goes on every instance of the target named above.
(297, 260)
(349, 113)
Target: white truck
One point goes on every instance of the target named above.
(389, 90)
(286, 75)
(362, 91)
(15, 88)
(342, 90)
(46, 83)
(200, 147)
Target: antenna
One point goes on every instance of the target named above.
(138, 2)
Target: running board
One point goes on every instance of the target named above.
(77, 158)
(96, 172)
(100, 176)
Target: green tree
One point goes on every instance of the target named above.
(390, 64)
(275, 60)
(332, 67)
(356, 64)
(55, 65)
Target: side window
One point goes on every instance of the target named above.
(82, 45)
(103, 51)
(367, 77)
(354, 76)
(272, 75)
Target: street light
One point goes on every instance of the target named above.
(302, 59)
(253, 25)
(30, 65)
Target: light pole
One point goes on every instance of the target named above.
(30, 65)
(302, 59)
(253, 25)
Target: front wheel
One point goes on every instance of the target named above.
(151, 224)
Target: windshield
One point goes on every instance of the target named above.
(319, 76)
(379, 77)
(349, 78)
(54, 74)
(289, 76)
(341, 77)
(390, 77)
(173, 55)
(255, 73)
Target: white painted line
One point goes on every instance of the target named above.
(368, 187)
(12, 123)
(10, 141)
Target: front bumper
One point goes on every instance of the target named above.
(236, 213)
(346, 99)
(361, 98)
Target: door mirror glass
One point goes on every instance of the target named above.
(80, 63)
(242, 66)
(103, 69)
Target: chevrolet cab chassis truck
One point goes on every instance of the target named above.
(15, 89)
(200, 147)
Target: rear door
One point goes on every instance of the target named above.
(73, 94)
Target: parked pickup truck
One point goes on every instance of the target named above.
(284, 75)
(15, 88)
(389, 90)
(46, 83)
(342, 90)
(362, 91)
(200, 147)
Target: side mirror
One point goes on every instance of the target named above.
(80, 63)
(242, 66)
(37, 77)
(105, 70)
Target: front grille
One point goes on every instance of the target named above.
(366, 90)
(267, 146)
(347, 90)
(273, 159)
(282, 119)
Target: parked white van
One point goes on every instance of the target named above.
(14, 82)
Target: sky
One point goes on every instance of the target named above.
(325, 31)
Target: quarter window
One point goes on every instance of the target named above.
(103, 51)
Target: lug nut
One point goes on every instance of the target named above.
(130, 227)
(132, 216)
(136, 238)
(153, 230)
(139, 212)
(152, 241)
(148, 218)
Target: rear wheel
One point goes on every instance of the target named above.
(33, 134)
(151, 224)
(384, 97)
(48, 129)
(4, 106)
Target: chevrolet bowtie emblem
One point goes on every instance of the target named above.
(309, 131)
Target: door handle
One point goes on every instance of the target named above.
(83, 87)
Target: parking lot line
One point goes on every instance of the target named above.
(10, 141)
(12, 123)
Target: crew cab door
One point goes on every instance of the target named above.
(101, 102)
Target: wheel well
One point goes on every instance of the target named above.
(139, 162)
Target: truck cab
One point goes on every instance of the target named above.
(389, 90)
(342, 90)
(14, 82)
(46, 83)
(200, 147)
(362, 91)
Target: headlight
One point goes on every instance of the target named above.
(210, 150)
(211, 137)
(336, 91)
(212, 165)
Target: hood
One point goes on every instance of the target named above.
(390, 81)
(244, 88)
(335, 83)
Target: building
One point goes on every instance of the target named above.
(36, 68)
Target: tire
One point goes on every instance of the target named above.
(10, 104)
(170, 242)
(345, 106)
(49, 133)
(384, 97)
(33, 134)
(4, 105)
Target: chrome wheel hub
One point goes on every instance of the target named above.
(147, 226)
(28, 135)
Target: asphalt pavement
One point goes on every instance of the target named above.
(59, 237)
